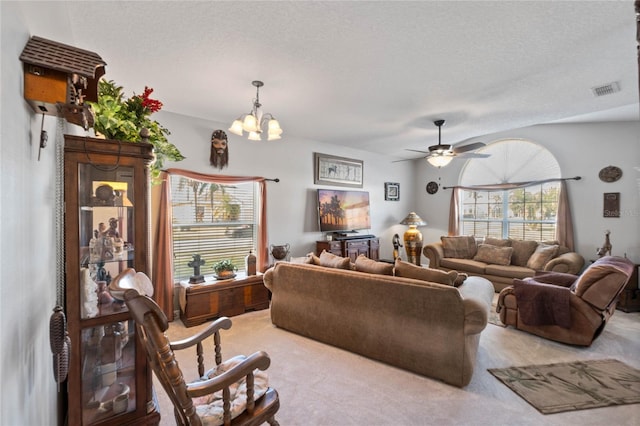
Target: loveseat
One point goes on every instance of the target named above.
(563, 307)
(422, 326)
(501, 260)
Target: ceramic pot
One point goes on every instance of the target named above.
(279, 252)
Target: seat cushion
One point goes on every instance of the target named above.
(465, 265)
(209, 407)
(509, 271)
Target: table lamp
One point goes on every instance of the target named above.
(413, 237)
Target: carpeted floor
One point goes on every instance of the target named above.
(567, 386)
(320, 385)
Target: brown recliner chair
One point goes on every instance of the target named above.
(563, 307)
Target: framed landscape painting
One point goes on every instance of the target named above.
(332, 170)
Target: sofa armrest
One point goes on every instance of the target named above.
(434, 252)
(568, 263)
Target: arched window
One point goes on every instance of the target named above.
(513, 199)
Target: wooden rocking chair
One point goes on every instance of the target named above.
(233, 393)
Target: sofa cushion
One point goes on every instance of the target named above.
(499, 242)
(494, 254)
(522, 251)
(370, 266)
(508, 271)
(461, 247)
(541, 256)
(602, 281)
(409, 270)
(330, 260)
(467, 265)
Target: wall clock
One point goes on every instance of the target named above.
(432, 187)
(610, 174)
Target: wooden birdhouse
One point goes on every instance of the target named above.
(59, 79)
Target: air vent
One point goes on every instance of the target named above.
(606, 89)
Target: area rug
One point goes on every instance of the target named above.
(568, 386)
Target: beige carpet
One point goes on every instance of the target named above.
(320, 385)
(567, 386)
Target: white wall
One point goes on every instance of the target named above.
(581, 150)
(27, 230)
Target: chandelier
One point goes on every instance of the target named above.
(254, 121)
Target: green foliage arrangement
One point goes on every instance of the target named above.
(122, 119)
(224, 265)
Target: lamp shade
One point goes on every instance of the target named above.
(413, 219)
(236, 127)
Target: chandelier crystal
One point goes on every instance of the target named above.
(253, 122)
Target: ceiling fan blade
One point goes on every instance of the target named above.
(472, 155)
(469, 147)
(416, 150)
(406, 159)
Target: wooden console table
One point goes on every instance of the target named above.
(352, 248)
(217, 298)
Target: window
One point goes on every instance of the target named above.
(216, 221)
(521, 212)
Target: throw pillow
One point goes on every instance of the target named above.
(493, 254)
(370, 266)
(330, 260)
(498, 242)
(409, 270)
(541, 256)
(522, 251)
(461, 247)
(305, 260)
(315, 259)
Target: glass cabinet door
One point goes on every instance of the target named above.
(107, 244)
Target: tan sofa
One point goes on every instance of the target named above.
(563, 307)
(501, 260)
(424, 327)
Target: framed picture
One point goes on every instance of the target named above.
(611, 204)
(391, 191)
(332, 170)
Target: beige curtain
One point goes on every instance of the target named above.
(163, 243)
(564, 226)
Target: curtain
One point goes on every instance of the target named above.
(163, 243)
(162, 253)
(564, 224)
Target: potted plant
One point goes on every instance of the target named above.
(224, 269)
(123, 119)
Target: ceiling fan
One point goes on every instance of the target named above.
(440, 155)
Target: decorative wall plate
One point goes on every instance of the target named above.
(432, 187)
(610, 174)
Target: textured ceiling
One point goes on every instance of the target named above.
(372, 75)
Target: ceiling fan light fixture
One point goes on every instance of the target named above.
(439, 160)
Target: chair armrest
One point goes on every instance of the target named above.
(475, 316)
(434, 252)
(568, 263)
(222, 323)
(259, 360)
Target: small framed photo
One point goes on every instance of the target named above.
(391, 191)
